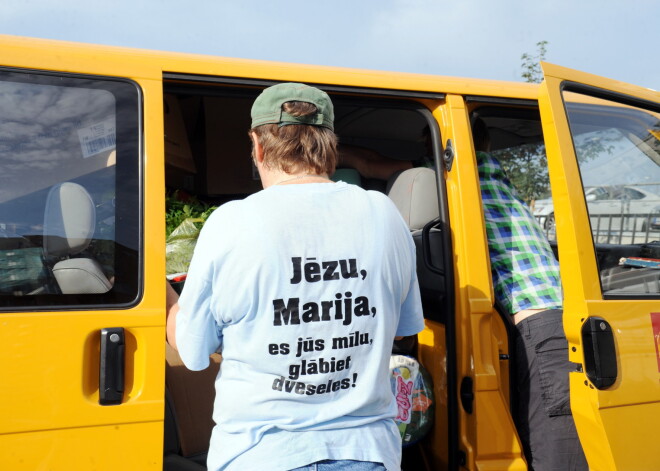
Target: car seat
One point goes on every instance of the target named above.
(69, 223)
(415, 194)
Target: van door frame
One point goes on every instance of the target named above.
(176, 81)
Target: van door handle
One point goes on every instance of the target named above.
(599, 352)
(111, 366)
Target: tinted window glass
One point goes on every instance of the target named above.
(69, 190)
(618, 153)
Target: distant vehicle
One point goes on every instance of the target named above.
(608, 205)
(655, 219)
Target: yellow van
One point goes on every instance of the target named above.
(92, 138)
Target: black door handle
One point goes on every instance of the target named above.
(111, 366)
(426, 246)
(600, 362)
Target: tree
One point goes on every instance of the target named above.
(527, 165)
(527, 169)
(531, 67)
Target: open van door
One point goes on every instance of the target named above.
(603, 133)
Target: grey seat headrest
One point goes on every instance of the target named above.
(69, 220)
(415, 194)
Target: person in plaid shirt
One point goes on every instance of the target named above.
(525, 270)
(527, 286)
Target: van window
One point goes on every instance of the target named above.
(618, 152)
(516, 141)
(69, 150)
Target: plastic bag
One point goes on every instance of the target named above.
(180, 245)
(413, 389)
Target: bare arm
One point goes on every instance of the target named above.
(172, 309)
(370, 164)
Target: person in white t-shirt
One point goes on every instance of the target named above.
(303, 288)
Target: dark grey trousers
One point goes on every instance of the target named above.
(544, 419)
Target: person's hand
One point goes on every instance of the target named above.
(369, 163)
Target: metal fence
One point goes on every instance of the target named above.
(616, 228)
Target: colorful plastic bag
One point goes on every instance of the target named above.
(413, 389)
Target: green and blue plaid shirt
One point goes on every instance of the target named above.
(525, 270)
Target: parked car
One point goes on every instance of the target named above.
(655, 219)
(615, 207)
(544, 212)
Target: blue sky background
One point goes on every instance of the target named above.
(470, 38)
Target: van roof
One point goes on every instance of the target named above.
(46, 54)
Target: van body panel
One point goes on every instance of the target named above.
(89, 448)
(50, 402)
(138, 64)
(433, 354)
(610, 420)
(67, 362)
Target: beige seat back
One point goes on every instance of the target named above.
(415, 194)
(69, 223)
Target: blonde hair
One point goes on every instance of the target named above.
(298, 148)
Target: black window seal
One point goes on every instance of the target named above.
(631, 297)
(596, 92)
(501, 101)
(262, 83)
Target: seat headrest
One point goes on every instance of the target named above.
(415, 194)
(69, 220)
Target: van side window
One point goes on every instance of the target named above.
(516, 141)
(513, 178)
(69, 150)
(618, 152)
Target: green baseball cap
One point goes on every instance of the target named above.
(267, 108)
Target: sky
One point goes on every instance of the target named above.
(465, 38)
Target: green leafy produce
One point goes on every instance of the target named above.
(184, 219)
(180, 206)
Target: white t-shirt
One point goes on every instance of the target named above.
(302, 288)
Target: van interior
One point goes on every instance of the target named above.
(208, 158)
